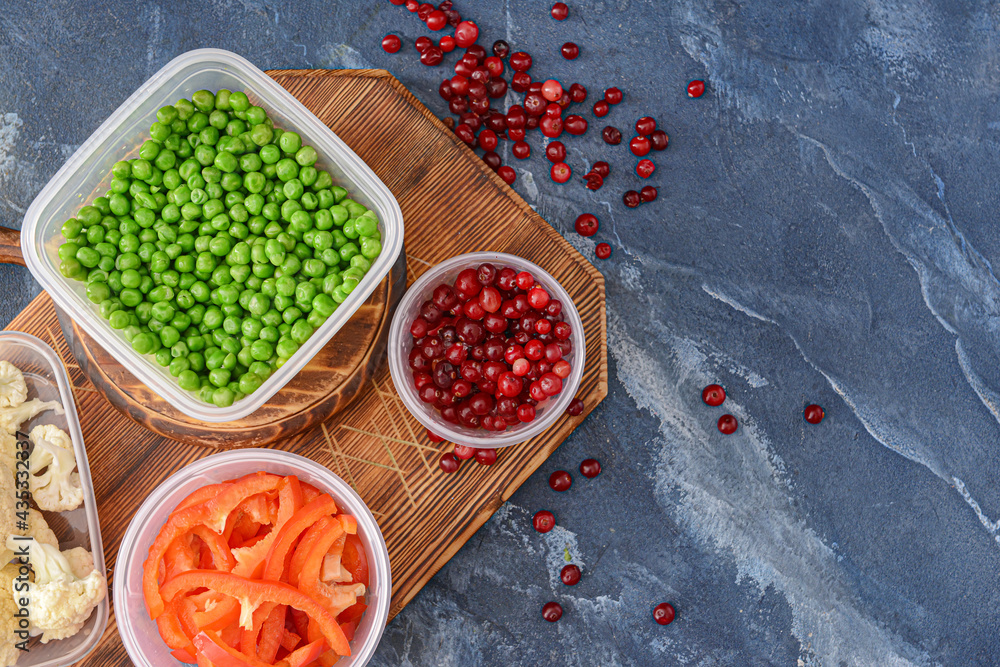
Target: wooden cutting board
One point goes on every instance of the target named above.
(452, 203)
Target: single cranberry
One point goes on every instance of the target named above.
(473, 310)
(696, 88)
(611, 135)
(490, 299)
(486, 274)
(525, 412)
(544, 521)
(543, 326)
(434, 438)
(554, 308)
(467, 283)
(552, 611)
(594, 181)
(612, 96)
(466, 34)
(424, 10)
(520, 61)
(516, 134)
(449, 463)
(555, 151)
(520, 82)
(423, 43)
(520, 367)
(560, 11)
(538, 298)
(562, 330)
(463, 69)
(648, 193)
(464, 453)
(534, 105)
(421, 380)
(586, 224)
(553, 109)
(481, 105)
(501, 48)
(575, 409)
(603, 251)
(645, 168)
(536, 392)
(645, 126)
(578, 93)
(713, 395)
(447, 44)
(418, 362)
(521, 150)
(639, 145)
(476, 51)
(532, 123)
(496, 87)
(477, 89)
(413, 5)
(494, 65)
(495, 322)
(507, 174)
(565, 100)
(552, 351)
(727, 424)
(418, 328)
(664, 613)
(509, 384)
(487, 140)
(551, 127)
(525, 281)
(601, 109)
(437, 20)
(445, 91)
(454, 18)
(469, 118)
(560, 172)
(814, 414)
(507, 279)
(432, 57)
(602, 168)
(492, 159)
(447, 4)
(659, 140)
(560, 480)
(570, 575)
(470, 332)
(570, 51)
(575, 125)
(563, 368)
(391, 43)
(486, 457)
(590, 468)
(551, 384)
(461, 388)
(631, 198)
(516, 117)
(552, 90)
(496, 121)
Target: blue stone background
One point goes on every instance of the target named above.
(825, 231)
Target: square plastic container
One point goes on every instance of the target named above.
(46, 379)
(138, 631)
(87, 174)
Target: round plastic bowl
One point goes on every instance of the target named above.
(139, 633)
(401, 342)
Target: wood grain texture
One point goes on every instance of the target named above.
(452, 203)
(10, 247)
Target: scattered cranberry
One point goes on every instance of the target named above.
(727, 424)
(575, 408)
(611, 135)
(612, 96)
(432, 57)
(575, 125)
(448, 462)
(560, 172)
(555, 151)
(464, 453)
(492, 159)
(520, 82)
(552, 90)
(413, 5)
(602, 168)
(520, 61)
(521, 150)
(487, 140)
(601, 109)
(659, 140)
(553, 109)
(631, 198)
(814, 414)
(397, 2)
(590, 468)
(603, 251)
(639, 145)
(645, 169)
(560, 480)
(501, 48)
(577, 93)
(494, 65)
(551, 126)
(594, 181)
(570, 51)
(423, 43)
(552, 611)
(647, 194)
(713, 395)
(696, 88)
(560, 11)
(437, 20)
(391, 43)
(509, 176)
(466, 34)
(570, 575)
(486, 457)
(645, 126)
(544, 521)
(476, 51)
(447, 44)
(664, 613)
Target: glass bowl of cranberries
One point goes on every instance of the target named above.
(486, 349)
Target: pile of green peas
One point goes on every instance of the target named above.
(221, 248)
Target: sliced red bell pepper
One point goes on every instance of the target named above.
(224, 612)
(309, 492)
(251, 594)
(333, 568)
(349, 523)
(305, 545)
(301, 622)
(355, 560)
(349, 629)
(211, 646)
(222, 555)
(230, 635)
(290, 640)
(184, 656)
(199, 496)
(278, 556)
(256, 508)
(179, 557)
(172, 632)
(250, 559)
(308, 578)
(271, 634)
(352, 613)
(212, 513)
(305, 655)
(249, 636)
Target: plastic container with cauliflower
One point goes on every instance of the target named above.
(68, 605)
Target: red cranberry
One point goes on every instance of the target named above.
(462, 68)
(631, 198)
(713, 395)
(602, 168)
(525, 412)
(487, 140)
(543, 326)
(544, 521)
(470, 371)
(490, 299)
(495, 322)
(536, 392)
(552, 611)
(418, 328)
(470, 332)
(562, 331)
(476, 51)
(467, 283)
(552, 90)
(538, 298)
(696, 88)
(563, 368)
(423, 43)
(516, 134)
(611, 135)
(520, 61)
(496, 87)
(612, 96)
(570, 575)
(639, 145)
(421, 380)
(444, 297)
(509, 384)
(481, 105)
(814, 414)
(555, 151)
(645, 126)
(473, 309)
(551, 127)
(460, 105)
(486, 457)
(594, 181)
(575, 409)
(466, 34)
(603, 251)
(560, 11)
(645, 168)
(554, 308)
(391, 43)
(587, 224)
(432, 56)
(507, 174)
(525, 280)
(590, 468)
(492, 160)
(521, 150)
(477, 89)
(570, 51)
(575, 125)
(520, 82)
(444, 90)
(486, 274)
(516, 117)
(418, 362)
(551, 384)
(496, 122)
(464, 453)
(437, 20)
(659, 140)
(531, 123)
(397, 2)
(727, 424)
(565, 100)
(447, 44)
(450, 415)
(648, 194)
(494, 65)
(432, 348)
(664, 613)
(560, 172)
(501, 48)
(560, 480)
(461, 388)
(601, 109)
(424, 10)
(434, 438)
(413, 5)
(534, 105)
(578, 93)
(448, 462)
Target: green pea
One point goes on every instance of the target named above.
(225, 162)
(98, 292)
(286, 348)
(301, 331)
(188, 379)
(118, 319)
(290, 142)
(323, 304)
(286, 169)
(269, 334)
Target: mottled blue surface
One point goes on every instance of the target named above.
(825, 232)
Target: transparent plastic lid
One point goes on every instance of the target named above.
(87, 174)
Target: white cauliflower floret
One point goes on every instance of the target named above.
(80, 561)
(13, 391)
(8, 450)
(11, 418)
(58, 488)
(38, 528)
(8, 623)
(60, 602)
(7, 514)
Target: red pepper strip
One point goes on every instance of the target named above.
(255, 508)
(213, 513)
(213, 648)
(355, 560)
(309, 492)
(250, 560)
(253, 540)
(300, 621)
(311, 536)
(289, 640)
(224, 611)
(333, 566)
(199, 496)
(352, 613)
(305, 655)
(349, 628)
(279, 554)
(251, 594)
(203, 661)
(248, 636)
(172, 632)
(308, 579)
(179, 557)
(222, 555)
(349, 523)
(230, 635)
(272, 633)
(183, 656)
